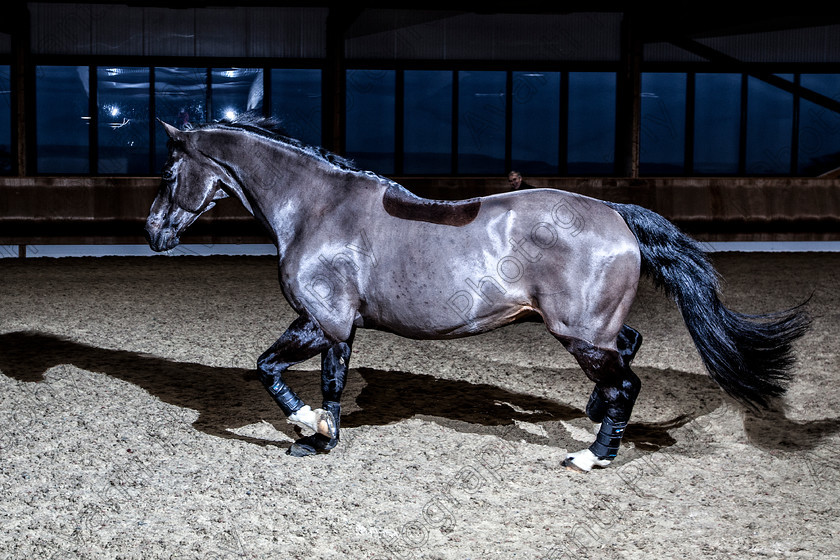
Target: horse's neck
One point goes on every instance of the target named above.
(282, 188)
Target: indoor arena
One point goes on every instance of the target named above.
(475, 281)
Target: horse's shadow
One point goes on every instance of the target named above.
(230, 398)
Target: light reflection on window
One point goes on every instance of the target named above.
(235, 91)
(481, 132)
(123, 139)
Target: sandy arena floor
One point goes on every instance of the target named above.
(132, 426)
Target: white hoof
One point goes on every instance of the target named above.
(583, 461)
(318, 420)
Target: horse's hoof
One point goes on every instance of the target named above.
(325, 424)
(583, 461)
(319, 420)
(311, 445)
(571, 466)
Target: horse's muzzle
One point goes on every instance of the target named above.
(159, 238)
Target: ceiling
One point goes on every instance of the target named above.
(682, 20)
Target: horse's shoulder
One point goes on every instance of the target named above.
(401, 203)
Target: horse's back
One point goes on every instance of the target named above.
(555, 218)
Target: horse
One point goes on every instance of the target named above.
(358, 250)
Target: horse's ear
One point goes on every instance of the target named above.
(171, 131)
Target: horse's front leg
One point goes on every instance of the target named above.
(301, 341)
(335, 361)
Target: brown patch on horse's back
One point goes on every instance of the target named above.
(400, 203)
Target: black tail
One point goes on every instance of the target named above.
(748, 355)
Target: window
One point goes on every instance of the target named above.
(437, 122)
(123, 123)
(717, 123)
(662, 135)
(371, 116)
(128, 97)
(535, 143)
(5, 121)
(180, 100)
(296, 102)
(427, 115)
(819, 128)
(769, 126)
(235, 91)
(62, 128)
(591, 123)
(481, 122)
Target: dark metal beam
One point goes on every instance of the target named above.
(22, 89)
(628, 99)
(736, 65)
(334, 82)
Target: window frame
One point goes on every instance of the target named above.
(564, 68)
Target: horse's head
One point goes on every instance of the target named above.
(191, 182)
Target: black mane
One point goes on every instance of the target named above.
(254, 119)
(271, 127)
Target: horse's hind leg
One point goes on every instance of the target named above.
(335, 361)
(612, 400)
(301, 341)
(628, 342)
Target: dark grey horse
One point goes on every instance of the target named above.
(357, 250)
